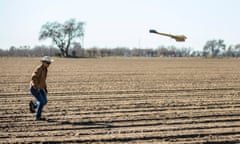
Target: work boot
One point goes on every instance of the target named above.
(31, 107)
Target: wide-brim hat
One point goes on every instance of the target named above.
(47, 59)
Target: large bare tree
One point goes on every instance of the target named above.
(62, 34)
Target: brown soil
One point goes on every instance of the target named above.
(124, 100)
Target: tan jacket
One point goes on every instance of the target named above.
(39, 77)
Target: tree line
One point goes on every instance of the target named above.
(212, 48)
(68, 40)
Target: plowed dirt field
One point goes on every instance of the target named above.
(124, 100)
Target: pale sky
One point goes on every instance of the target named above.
(118, 23)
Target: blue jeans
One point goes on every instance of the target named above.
(41, 97)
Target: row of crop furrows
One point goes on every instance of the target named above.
(121, 118)
(139, 128)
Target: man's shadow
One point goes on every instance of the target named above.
(87, 123)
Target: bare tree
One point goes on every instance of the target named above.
(213, 47)
(62, 34)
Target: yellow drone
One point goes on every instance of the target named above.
(179, 38)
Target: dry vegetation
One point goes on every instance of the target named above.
(118, 100)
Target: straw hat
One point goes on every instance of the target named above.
(47, 59)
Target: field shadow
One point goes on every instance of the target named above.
(86, 123)
(223, 142)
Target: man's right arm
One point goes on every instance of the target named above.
(35, 78)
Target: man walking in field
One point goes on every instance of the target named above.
(38, 87)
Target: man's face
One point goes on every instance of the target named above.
(46, 64)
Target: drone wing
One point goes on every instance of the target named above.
(179, 38)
